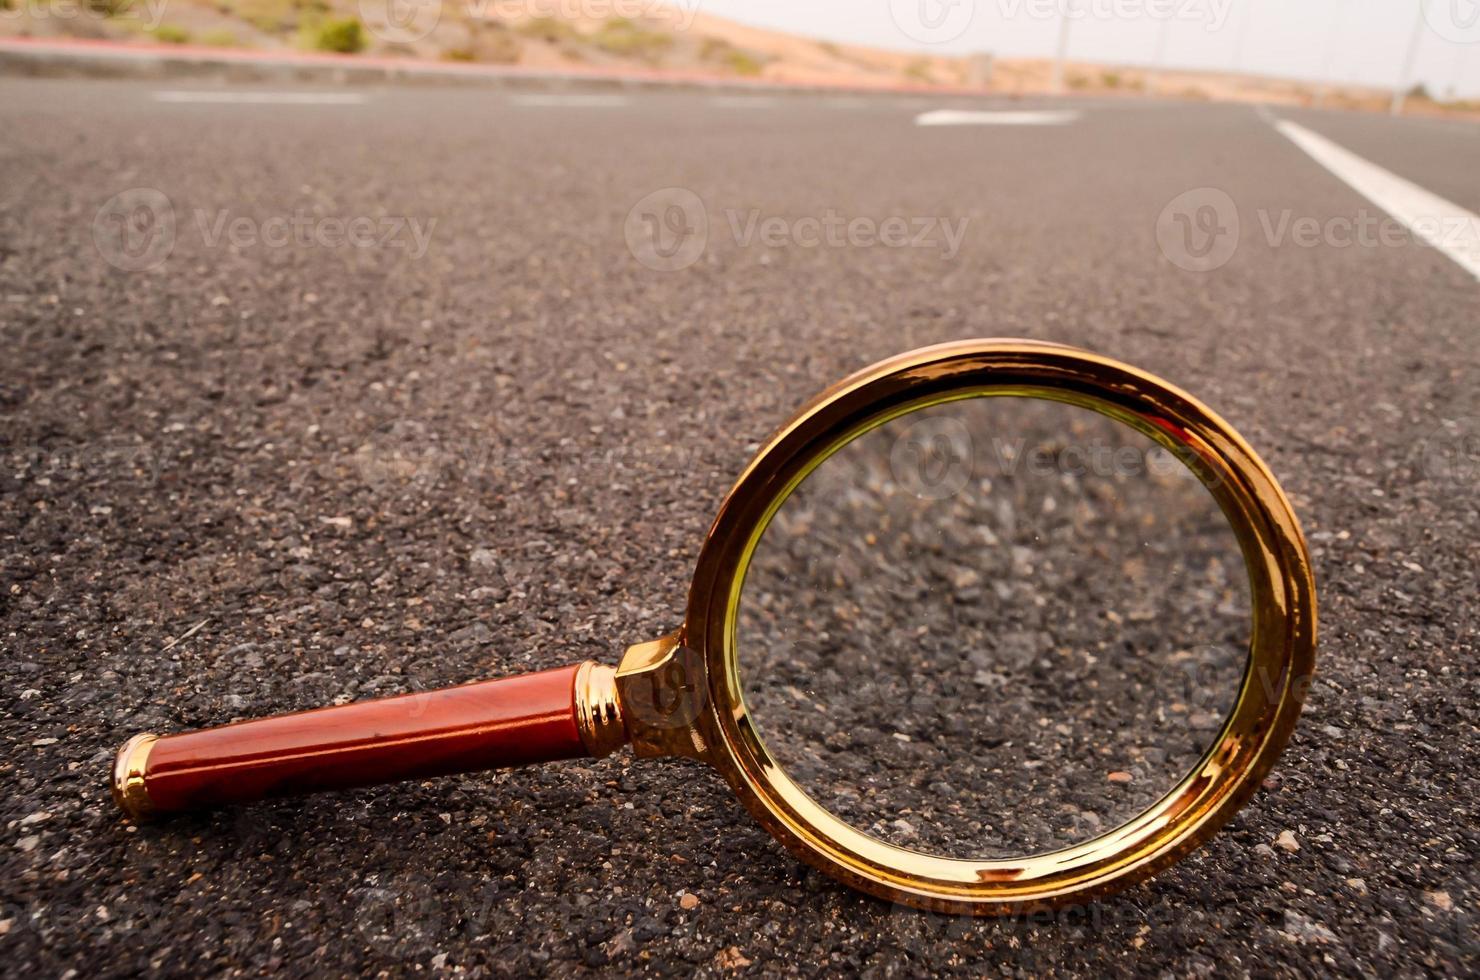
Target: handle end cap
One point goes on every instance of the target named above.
(130, 791)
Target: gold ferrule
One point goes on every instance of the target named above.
(129, 789)
(598, 711)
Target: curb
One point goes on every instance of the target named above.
(106, 59)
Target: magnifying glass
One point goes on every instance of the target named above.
(986, 627)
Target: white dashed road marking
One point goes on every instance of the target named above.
(742, 102)
(591, 101)
(1446, 226)
(242, 97)
(967, 117)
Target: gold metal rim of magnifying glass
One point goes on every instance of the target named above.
(701, 658)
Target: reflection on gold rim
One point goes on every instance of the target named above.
(1281, 655)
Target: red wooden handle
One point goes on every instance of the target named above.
(509, 722)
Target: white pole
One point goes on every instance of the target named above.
(1330, 50)
(1405, 79)
(1063, 47)
(1459, 50)
(1153, 76)
(1243, 35)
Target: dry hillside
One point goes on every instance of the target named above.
(548, 34)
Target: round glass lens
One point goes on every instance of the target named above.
(992, 627)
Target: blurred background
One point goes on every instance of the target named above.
(1358, 53)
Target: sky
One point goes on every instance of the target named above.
(1357, 41)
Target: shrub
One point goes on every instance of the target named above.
(549, 29)
(742, 64)
(628, 39)
(109, 8)
(498, 45)
(344, 36)
(724, 53)
(171, 34)
(919, 71)
(268, 16)
(219, 38)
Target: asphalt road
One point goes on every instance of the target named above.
(473, 433)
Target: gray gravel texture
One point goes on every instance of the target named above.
(348, 472)
(994, 627)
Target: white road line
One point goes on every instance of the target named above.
(966, 117)
(242, 97)
(1445, 225)
(742, 102)
(569, 101)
